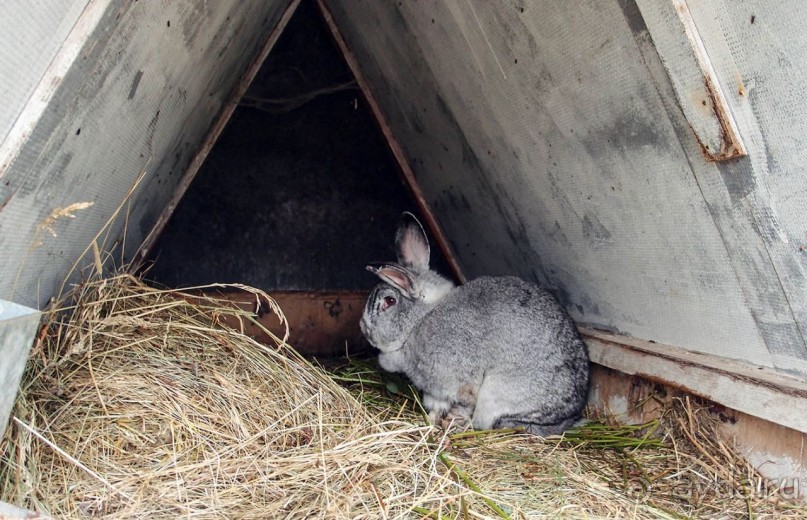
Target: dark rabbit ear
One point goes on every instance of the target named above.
(411, 244)
(394, 275)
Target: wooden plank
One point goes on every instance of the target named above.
(694, 79)
(757, 391)
(320, 323)
(38, 103)
(776, 451)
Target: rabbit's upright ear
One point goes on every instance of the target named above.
(411, 244)
(394, 275)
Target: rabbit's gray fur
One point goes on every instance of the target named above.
(497, 351)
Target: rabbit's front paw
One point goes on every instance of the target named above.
(436, 416)
(437, 408)
(457, 416)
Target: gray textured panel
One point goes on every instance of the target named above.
(745, 196)
(150, 79)
(31, 33)
(550, 144)
(18, 326)
(771, 75)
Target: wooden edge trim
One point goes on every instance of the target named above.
(212, 136)
(392, 142)
(39, 100)
(733, 146)
(757, 391)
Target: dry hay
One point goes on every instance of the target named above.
(139, 404)
(676, 466)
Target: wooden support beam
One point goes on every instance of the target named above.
(697, 88)
(758, 391)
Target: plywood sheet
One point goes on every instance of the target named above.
(146, 84)
(550, 146)
(324, 323)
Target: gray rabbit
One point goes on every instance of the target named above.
(498, 351)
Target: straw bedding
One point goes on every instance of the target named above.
(139, 403)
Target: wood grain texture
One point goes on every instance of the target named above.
(756, 391)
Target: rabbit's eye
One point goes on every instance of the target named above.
(389, 301)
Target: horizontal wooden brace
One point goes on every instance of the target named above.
(758, 391)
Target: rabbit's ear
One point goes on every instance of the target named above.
(394, 275)
(411, 244)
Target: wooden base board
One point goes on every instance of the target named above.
(758, 391)
(320, 323)
(776, 451)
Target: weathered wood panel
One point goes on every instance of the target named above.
(549, 141)
(745, 197)
(143, 84)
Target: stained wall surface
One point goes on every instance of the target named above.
(126, 88)
(551, 142)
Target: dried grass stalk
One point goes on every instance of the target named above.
(137, 403)
(48, 224)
